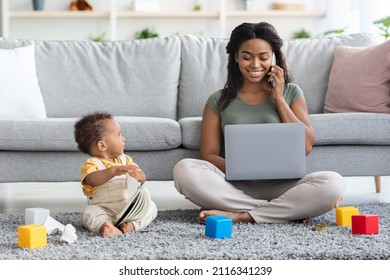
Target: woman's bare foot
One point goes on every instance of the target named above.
(304, 221)
(126, 227)
(108, 230)
(242, 217)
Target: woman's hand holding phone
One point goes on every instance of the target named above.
(272, 80)
(273, 62)
(276, 79)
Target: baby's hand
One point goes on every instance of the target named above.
(120, 170)
(132, 170)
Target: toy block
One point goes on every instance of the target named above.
(365, 224)
(53, 226)
(344, 214)
(218, 227)
(36, 216)
(32, 236)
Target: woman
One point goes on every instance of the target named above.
(256, 91)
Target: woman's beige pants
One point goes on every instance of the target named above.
(267, 201)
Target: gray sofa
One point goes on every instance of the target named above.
(157, 89)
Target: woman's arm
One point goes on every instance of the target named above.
(210, 141)
(297, 113)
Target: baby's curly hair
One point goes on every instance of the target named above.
(89, 130)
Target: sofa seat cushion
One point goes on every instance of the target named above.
(191, 129)
(57, 134)
(149, 134)
(351, 129)
(330, 129)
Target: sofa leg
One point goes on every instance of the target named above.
(378, 184)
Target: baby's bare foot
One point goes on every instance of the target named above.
(108, 230)
(236, 217)
(126, 227)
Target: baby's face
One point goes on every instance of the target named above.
(113, 138)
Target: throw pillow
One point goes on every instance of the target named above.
(359, 80)
(20, 94)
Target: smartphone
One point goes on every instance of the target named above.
(273, 62)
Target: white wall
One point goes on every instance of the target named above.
(370, 11)
(357, 15)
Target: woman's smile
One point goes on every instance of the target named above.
(256, 73)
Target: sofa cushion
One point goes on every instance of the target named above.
(150, 133)
(204, 62)
(330, 129)
(310, 62)
(351, 129)
(191, 130)
(57, 134)
(20, 93)
(360, 80)
(128, 78)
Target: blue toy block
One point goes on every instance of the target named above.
(218, 227)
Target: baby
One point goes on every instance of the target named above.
(103, 176)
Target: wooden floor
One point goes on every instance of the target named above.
(67, 197)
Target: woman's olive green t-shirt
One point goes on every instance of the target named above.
(238, 112)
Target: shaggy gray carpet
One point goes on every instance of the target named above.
(176, 235)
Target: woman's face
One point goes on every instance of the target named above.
(254, 59)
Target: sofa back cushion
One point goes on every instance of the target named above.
(204, 62)
(203, 71)
(127, 78)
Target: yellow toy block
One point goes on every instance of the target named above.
(32, 236)
(344, 215)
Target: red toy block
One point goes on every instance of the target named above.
(365, 224)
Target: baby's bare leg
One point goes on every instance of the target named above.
(237, 217)
(109, 229)
(126, 227)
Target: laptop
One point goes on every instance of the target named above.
(265, 151)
